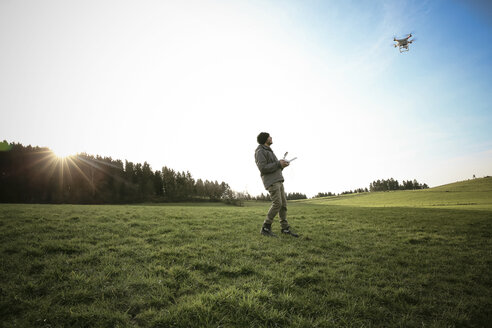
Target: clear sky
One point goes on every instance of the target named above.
(190, 84)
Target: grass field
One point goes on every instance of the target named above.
(405, 265)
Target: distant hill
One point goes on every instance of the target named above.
(469, 194)
(480, 184)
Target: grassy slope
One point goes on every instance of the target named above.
(472, 194)
(207, 266)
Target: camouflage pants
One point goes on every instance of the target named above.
(279, 205)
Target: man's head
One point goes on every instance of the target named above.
(264, 138)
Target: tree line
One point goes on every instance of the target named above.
(35, 175)
(380, 185)
(392, 184)
(347, 192)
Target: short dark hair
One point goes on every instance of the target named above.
(262, 137)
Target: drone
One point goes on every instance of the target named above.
(402, 44)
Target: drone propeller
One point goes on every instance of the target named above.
(407, 36)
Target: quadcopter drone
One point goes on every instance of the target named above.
(402, 44)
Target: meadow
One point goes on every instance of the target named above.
(358, 263)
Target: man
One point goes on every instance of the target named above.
(271, 174)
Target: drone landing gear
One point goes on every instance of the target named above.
(403, 49)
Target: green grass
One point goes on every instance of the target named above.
(208, 266)
(466, 195)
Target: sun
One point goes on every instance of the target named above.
(62, 153)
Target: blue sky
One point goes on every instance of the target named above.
(189, 85)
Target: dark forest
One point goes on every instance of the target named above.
(35, 175)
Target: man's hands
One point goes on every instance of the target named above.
(283, 163)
